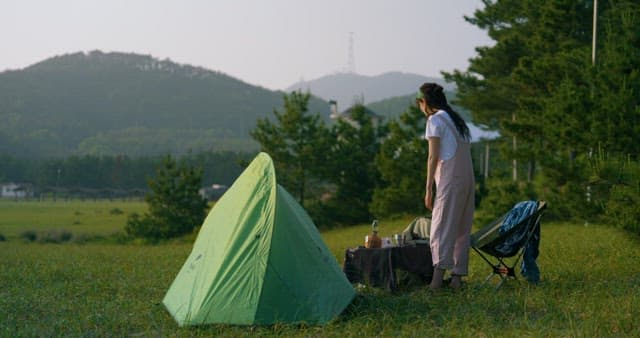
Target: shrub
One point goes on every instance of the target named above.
(564, 183)
(138, 226)
(116, 211)
(29, 235)
(320, 213)
(175, 205)
(120, 237)
(2, 238)
(55, 236)
(624, 194)
(615, 182)
(501, 197)
(82, 238)
(404, 196)
(622, 208)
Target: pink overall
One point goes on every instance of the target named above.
(453, 209)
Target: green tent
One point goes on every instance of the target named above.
(258, 259)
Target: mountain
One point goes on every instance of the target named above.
(388, 94)
(392, 108)
(116, 103)
(347, 88)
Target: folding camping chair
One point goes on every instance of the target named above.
(508, 237)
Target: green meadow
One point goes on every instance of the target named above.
(590, 284)
(78, 217)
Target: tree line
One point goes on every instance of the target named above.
(115, 172)
(354, 170)
(564, 95)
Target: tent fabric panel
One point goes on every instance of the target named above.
(233, 296)
(258, 259)
(304, 282)
(222, 277)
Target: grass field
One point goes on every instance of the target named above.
(78, 217)
(590, 286)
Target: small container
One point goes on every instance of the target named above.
(373, 242)
(399, 239)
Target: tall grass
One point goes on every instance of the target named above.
(589, 288)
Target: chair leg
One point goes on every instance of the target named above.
(491, 275)
(503, 271)
(500, 269)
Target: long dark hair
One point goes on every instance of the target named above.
(434, 95)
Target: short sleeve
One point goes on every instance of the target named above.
(434, 127)
(437, 126)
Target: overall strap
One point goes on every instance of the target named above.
(453, 128)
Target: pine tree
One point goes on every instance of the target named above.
(352, 167)
(298, 143)
(401, 162)
(175, 206)
(537, 85)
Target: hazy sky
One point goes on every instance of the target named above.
(271, 43)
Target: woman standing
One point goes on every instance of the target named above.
(449, 167)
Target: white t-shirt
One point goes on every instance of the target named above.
(437, 127)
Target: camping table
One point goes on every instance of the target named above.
(377, 267)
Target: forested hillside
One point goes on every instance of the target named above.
(127, 104)
(393, 107)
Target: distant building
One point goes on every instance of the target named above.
(16, 190)
(346, 115)
(214, 192)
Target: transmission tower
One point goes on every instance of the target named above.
(351, 62)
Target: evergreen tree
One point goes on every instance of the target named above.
(537, 85)
(401, 162)
(175, 206)
(298, 143)
(352, 166)
(541, 51)
(615, 116)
